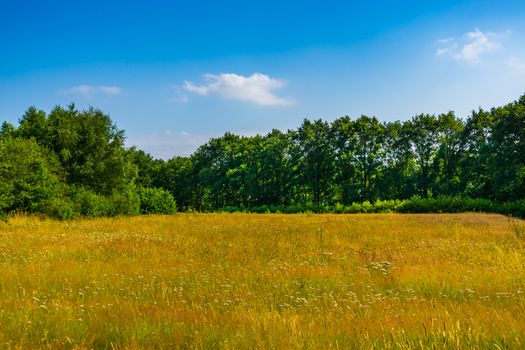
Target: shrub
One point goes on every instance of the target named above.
(339, 208)
(29, 176)
(89, 204)
(228, 210)
(127, 202)
(156, 201)
(516, 208)
(59, 208)
(387, 206)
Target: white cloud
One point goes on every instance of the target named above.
(478, 44)
(516, 64)
(256, 88)
(442, 51)
(475, 44)
(90, 91)
(445, 41)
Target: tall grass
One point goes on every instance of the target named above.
(518, 226)
(263, 281)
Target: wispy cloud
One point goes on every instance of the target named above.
(516, 64)
(256, 88)
(179, 94)
(90, 91)
(445, 40)
(471, 47)
(478, 44)
(167, 144)
(445, 50)
(180, 98)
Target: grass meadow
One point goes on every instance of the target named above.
(263, 281)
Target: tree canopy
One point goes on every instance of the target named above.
(77, 158)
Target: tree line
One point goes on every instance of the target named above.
(74, 163)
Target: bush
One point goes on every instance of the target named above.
(228, 210)
(516, 208)
(387, 206)
(89, 204)
(339, 208)
(59, 208)
(354, 208)
(416, 204)
(126, 203)
(29, 176)
(156, 201)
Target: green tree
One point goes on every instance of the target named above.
(316, 164)
(91, 149)
(272, 172)
(507, 160)
(346, 177)
(447, 162)
(424, 136)
(398, 180)
(30, 176)
(7, 130)
(149, 169)
(176, 177)
(360, 157)
(476, 145)
(34, 124)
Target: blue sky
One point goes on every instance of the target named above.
(175, 73)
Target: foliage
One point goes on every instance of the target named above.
(416, 204)
(425, 164)
(90, 204)
(30, 176)
(87, 143)
(60, 208)
(156, 201)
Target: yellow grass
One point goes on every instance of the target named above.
(263, 281)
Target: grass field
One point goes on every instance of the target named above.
(263, 281)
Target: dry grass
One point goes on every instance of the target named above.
(263, 281)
